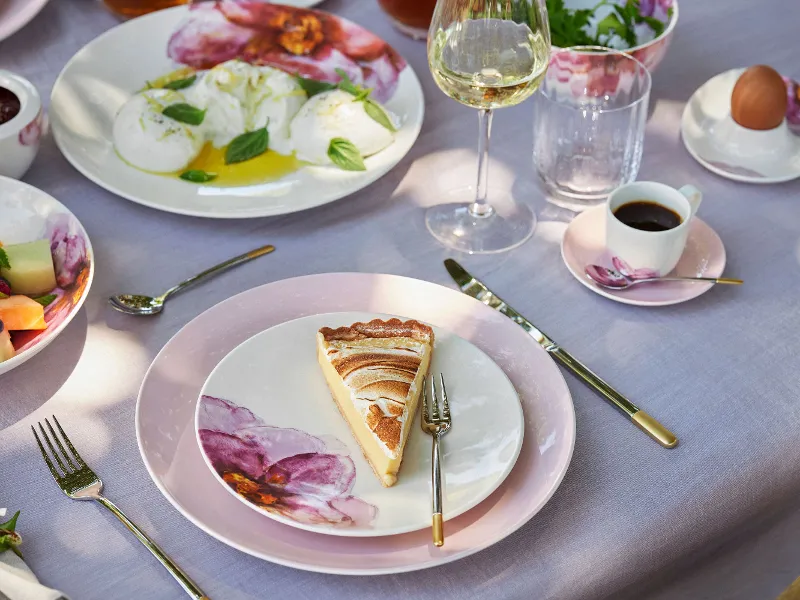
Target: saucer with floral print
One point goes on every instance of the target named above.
(583, 244)
(273, 437)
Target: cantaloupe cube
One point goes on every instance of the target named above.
(31, 271)
(6, 349)
(20, 313)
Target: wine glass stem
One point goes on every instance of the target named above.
(481, 208)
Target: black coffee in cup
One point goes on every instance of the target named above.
(647, 216)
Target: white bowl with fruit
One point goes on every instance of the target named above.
(46, 269)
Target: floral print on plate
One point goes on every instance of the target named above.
(283, 471)
(72, 265)
(306, 42)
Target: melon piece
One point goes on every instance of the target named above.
(31, 271)
(6, 349)
(20, 313)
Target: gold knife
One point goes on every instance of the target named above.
(475, 288)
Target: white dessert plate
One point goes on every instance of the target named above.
(165, 422)
(93, 86)
(28, 214)
(15, 14)
(584, 244)
(304, 467)
(728, 149)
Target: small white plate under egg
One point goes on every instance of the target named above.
(110, 70)
(723, 147)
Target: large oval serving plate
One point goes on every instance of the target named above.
(103, 75)
(28, 214)
(165, 425)
(304, 467)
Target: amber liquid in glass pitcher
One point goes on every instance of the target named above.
(137, 8)
(412, 17)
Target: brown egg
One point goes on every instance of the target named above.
(759, 99)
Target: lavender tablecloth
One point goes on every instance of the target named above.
(630, 516)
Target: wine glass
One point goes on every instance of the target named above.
(486, 54)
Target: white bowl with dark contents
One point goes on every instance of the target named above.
(21, 124)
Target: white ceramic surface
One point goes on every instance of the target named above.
(28, 214)
(584, 244)
(275, 375)
(166, 434)
(728, 149)
(92, 87)
(19, 137)
(15, 14)
(657, 251)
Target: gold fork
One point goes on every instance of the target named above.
(79, 482)
(436, 425)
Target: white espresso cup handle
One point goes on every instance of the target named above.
(693, 195)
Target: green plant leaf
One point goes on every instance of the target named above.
(45, 300)
(4, 264)
(654, 24)
(247, 146)
(185, 113)
(345, 155)
(312, 87)
(3, 297)
(197, 176)
(378, 114)
(180, 84)
(610, 25)
(9, 538)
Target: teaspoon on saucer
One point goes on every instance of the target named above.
(135, 304)
(614, 280)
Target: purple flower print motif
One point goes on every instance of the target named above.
(793, 111)
(306, 42)
(68, 250)
(624, 268)
(283, 471)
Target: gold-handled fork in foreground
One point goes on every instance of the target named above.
(436, 424)
(79, 482)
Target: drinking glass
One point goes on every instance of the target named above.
(589, 120)
(486, 54)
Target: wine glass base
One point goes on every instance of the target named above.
(509, 225)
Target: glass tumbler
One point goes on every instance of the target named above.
(589, 124)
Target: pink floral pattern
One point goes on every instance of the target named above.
(33, 131)
(626, 270)
(619, 278)
(306, 42)
(286, 472)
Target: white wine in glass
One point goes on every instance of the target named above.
(486, 54)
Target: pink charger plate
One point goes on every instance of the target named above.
(166, 406)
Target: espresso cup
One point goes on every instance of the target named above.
(657, 251)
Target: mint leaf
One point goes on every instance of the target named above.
(345, 155)
(179, 84)
(197, 176)
(312, 87)
(247, 146)
(45, 300)
(346, 85)
(185, 113)
(378, 114)
(4, 264)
